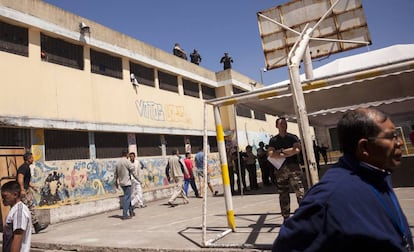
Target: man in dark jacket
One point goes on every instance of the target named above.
(26, 187)
(353, 207)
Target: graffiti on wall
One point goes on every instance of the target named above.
(69, 182)
(158, 112)
(150, 110)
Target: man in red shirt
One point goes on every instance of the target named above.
(189, 179)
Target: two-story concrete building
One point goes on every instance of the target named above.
(75, 93)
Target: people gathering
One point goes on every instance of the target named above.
(353, 206)
(195, 56)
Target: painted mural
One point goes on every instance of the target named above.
(71, 182)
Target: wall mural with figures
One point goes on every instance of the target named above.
(74, 181)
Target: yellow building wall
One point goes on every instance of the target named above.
(39, 89)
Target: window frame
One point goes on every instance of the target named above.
(143, 74)
(208, 92)
(14, 39)
(168, 81)
(191, 88)
(110, 144)
(61, 52)
(106, 64)
(148, 144)
(66, 147)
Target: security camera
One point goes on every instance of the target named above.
(134, 80)
(253, 83)
(84, 28)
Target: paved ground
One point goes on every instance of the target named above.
(162, 228)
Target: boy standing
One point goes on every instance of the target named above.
(17, 231)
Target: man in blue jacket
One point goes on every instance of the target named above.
(353, 207)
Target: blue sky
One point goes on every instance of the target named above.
(216, 26)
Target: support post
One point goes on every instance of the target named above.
(224, 169)
(295, 56)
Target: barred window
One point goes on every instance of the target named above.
(105, 64)
(212, 141)
(196, 143)
(168, 82)
(15, 137)
(208, 92)
(242, 110)
(259, 115)
(333, 133)
(60, 52)
(144, 75)
(191, 88)
(148, 145)
(175, 142)
(110, 145)
(66, 145)
(14, 39)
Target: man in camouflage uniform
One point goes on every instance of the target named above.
(286, 145)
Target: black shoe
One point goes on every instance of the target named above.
(126, 218)
(39, 227)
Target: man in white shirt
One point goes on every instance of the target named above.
(17, 230)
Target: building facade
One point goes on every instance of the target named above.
(76, 93)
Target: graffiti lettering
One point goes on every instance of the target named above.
(150, 110)
(174, 113)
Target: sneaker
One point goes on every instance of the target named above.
(39, 227)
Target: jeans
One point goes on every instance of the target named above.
(190, 181)
(126, 203)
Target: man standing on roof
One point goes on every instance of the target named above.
(179, 52)
(195, 57)
(226, 60)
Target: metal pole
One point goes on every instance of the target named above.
(204, 210)
(224, 169)
(307, 63)
(261, 75)
(295, 56)
(239, 166)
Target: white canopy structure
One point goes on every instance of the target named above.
(382, 78)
